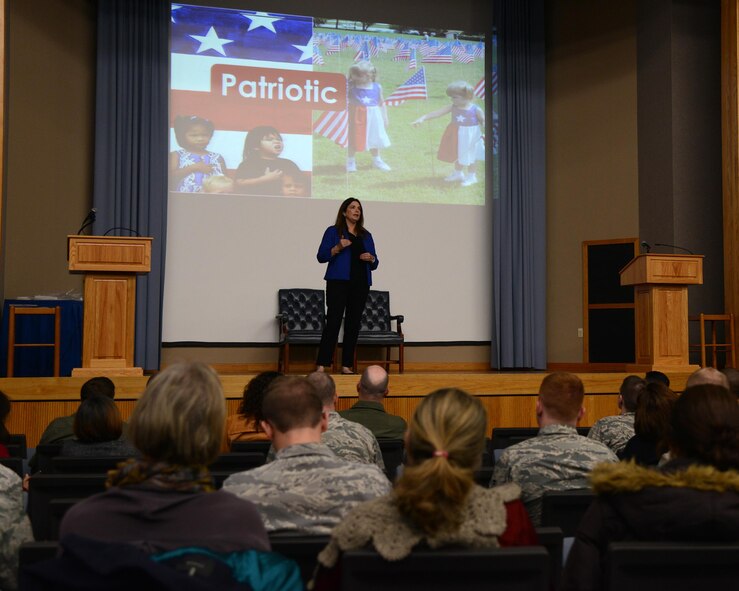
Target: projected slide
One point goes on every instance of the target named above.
(292, 106)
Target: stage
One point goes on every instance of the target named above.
(509, 397)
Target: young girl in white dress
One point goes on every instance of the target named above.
(367, 116)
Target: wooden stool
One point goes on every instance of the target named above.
(715, 347)
(34, 311)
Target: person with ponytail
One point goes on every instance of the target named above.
(693, 498)
(435, 501)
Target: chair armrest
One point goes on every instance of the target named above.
(399, 319)
(282, 319)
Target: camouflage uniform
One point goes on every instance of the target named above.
(614, 432)
(557, 459)
(348, 440)
(15, 529)
(307, 489)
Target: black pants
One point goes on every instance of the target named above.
(342, 296)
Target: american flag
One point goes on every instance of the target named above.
(413, 88)
(494, 80)
(333, 45)
(441, 56)
(461, 54)
(479, 50)
(412, 64)
(333, 125)
(403, 53)
(428, 47)
(317, 57)
(363, 53)
(479, 90)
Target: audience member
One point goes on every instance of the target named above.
(98, 431)
(651, 422)
(167, 500)
(347, 439)
(707, 375)
(693, 498)
(62, 428)
(436, 499)
(733, 376)
(615, 431)
(557, 459)
(307, 489)
(14, 525)
(369, 411)
(4, 434)
(657, 376)
(244, 426)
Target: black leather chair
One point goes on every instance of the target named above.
(478, 569)
(301, 549)
(646, 566)
(301, 318)
(375, 330)
(565, 509)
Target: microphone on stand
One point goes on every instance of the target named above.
(673, 246)
(645, 245)
(89, 219)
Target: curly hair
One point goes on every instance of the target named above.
(254, 391)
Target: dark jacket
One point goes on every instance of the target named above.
(682, 502)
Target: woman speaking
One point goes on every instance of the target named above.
(350, 253)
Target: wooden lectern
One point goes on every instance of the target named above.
(110, 264)
(661, 297)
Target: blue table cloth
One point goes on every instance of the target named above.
(39, 361)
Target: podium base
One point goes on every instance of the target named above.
(93, 372)
(668, 369)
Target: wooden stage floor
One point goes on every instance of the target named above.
(509, 397)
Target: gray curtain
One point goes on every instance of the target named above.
(131, 142)
(519, 214)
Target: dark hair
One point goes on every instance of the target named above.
(97, 420)
(4, 412)
(184, 123)
(630, 389)
(100, 386)
(733, 376)
(704, 426)
(254, 138)
(254, 391)
(652, 419)
(657, 376)
(291, 403)
(341, 220)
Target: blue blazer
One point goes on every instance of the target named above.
(339, 266)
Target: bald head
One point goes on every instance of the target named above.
(373, 384)
(325, 387)
(707, 375)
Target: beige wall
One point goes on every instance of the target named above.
(51, 66)
(591, 152)
(592, 191)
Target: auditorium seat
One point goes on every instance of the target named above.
(393, 452)
(301, 549)
(236, 462)
(15, 464)
(647, 566)
(85, 465)
(261, 447)
(564, 509)
(33, 552)
(478, 569)
(503, 437)
(552, 539)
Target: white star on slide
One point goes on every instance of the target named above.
(261, 19)
(211, 41)
(307, 50)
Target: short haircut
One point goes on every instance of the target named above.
(704, 426)
(181, 416)
(184, 123)
(100, 386)
(707, 375)
(562, 395)
(733, 376)
(97, 420)
(369, 383)
(292, 403)
(324, 385)
(657, 376)
(630, 389)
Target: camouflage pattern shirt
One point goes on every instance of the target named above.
(348, 440)
(307, 489)
(15, 529)
(614, 432)
(557, 459)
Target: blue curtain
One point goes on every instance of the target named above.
(519, 214)
(131, 142)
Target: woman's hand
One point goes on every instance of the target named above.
(367, 257)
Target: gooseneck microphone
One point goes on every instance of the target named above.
(645, 246)
(673, 246)
(89, 219)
